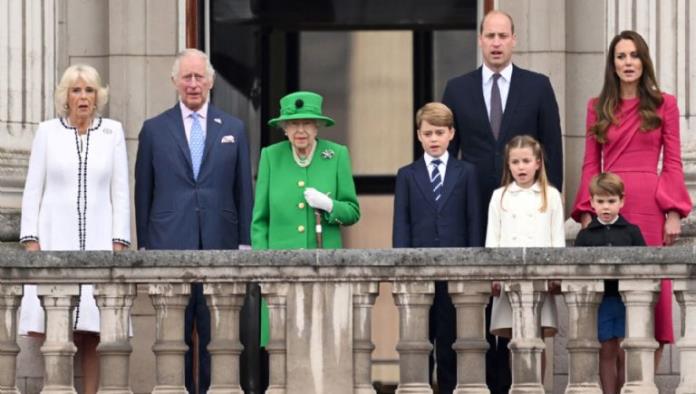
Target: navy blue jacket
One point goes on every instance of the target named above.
(530, 108)
(421, 222)
(174, 211)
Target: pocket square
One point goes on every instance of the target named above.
(228, 139)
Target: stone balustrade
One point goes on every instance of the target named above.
(524, 272)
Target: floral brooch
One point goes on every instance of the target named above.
(327, 154)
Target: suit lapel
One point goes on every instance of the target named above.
(176, 129)
(212, 134)
(513, 99)
(451, 176)
(479, 103)
(422, 177)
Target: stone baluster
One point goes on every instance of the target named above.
(225, 301)
(583, 298)
(685, 290)
(413, 299)
(470, 300)
(58, 349)
(526, 346)
(114, 301)
(10, 297)
(364, 295)
(169, 301)
(275, 295)
(639, 344)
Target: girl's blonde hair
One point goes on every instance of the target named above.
(91, 77)
(526, 141)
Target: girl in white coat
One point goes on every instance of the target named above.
(525, 212)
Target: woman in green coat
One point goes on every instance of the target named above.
(297, 178)
(301, 175)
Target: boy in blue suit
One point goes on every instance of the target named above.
(436, 204)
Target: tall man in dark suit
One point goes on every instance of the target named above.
(436, 204)
(193, 186)
(491, 105)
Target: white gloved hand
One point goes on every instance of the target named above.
(318, 200)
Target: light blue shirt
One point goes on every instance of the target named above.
(503, 85)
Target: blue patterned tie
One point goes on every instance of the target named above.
(436, 180)
(196, 144)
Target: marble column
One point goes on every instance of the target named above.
(58, 348)
(526, 346)
(583, 298)
(27, 80)
(114, 301)
(364, 295)
(639, 296)
(276, 297)
(685, 291)
(10, 297)
(470, 300)
(413, 299)
(169, 301)
(225, 301)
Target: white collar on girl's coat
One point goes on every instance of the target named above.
(514, 187)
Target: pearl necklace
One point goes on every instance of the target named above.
(303, 161)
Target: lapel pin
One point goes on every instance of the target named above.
(217, 120)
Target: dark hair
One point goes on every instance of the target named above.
(648, 92)
(526, 141)
(491, 12)
(606, 183)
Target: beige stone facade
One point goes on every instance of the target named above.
(133, 42)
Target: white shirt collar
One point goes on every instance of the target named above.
(186, 111)
(612, 222)
(514, 187)
(429, 159)
(505, 73)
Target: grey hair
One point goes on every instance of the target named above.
(318, 122)
(193, 52)
(91, 77)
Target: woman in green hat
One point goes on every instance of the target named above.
(301, 175)
(298, 179)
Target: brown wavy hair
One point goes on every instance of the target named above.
(525, 141)
(648, 91)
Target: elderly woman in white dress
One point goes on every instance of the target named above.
(76, 198)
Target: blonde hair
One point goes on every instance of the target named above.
(437, 114)
(526, 141)
(71, 75)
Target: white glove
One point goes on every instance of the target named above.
(318, 200)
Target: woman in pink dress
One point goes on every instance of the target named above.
(628, 126)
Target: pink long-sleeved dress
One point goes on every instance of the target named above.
(649, 192)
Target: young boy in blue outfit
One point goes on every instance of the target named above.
(436, 204)
(609, 228)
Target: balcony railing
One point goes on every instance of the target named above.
(412, 272)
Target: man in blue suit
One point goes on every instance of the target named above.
(491, 105)
(436, 204)
(193, 186)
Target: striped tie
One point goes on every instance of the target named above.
(436, 180)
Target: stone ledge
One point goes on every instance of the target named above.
(350, 265)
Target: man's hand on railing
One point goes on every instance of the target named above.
(117, 246)
(496, 288)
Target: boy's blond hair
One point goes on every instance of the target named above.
(606, 184)
(437, 114)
